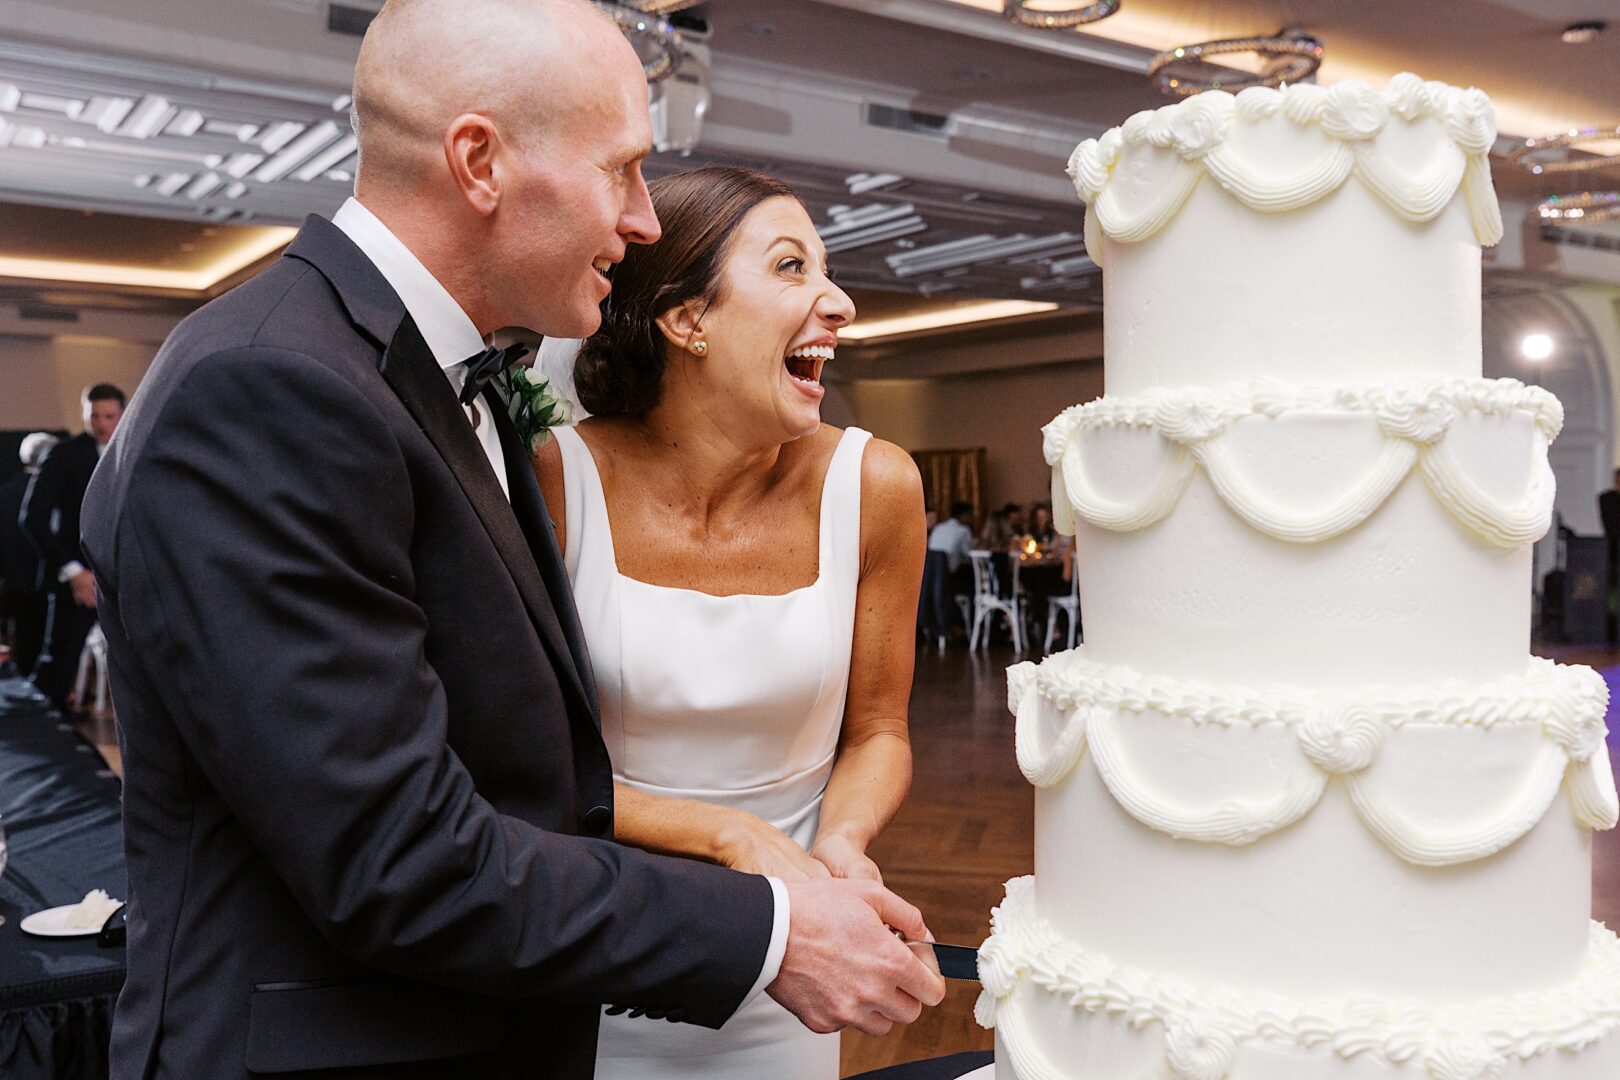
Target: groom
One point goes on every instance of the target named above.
(368, 810)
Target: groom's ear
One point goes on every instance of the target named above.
(472, 150)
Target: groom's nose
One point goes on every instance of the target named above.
(639, 222)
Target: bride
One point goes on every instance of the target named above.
(746, 576)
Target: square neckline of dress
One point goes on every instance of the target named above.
(613, 548)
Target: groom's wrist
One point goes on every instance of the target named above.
(781, 920)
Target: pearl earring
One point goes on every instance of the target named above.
(700, 348)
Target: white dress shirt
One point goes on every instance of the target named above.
(453, 338)
(449, 333)
(954, 539)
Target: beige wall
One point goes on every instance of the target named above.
(1002, 411)
(41, 378)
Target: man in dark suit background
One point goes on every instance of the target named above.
(1609, 513)
(368, 809)
(22, 571)
(50, 517)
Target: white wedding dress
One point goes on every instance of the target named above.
(736, 700)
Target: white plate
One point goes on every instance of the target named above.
(52, 922)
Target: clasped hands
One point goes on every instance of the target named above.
(844, 965)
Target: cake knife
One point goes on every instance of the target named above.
(952, 961)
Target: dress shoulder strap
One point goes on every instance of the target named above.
(841, 514)
(585, 504)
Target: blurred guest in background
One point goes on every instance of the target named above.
(1017, 521)
(22, 572)
(50, 517)
(1040, 525)
(996, 534)
(1609, 511)
(954, 536)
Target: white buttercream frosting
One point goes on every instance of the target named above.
(1338, 734)
(1204, 1027)
(1199, 131)
(1414, 413)
(1298, 809)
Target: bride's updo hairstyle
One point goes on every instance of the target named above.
(620, 368)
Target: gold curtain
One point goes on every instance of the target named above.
(949, 476)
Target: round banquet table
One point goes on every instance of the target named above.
(60, 807)
(971, 1066)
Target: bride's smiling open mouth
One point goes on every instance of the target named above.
(804, 365)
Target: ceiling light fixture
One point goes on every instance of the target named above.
(1537, 347)
(660, 7)
(1527, 154)
(1021, 13)
(862, 183)
(973, 251)
(330, 158)
(874, 223)
(990, 310)
(148, 118)
(1586, 207)
(656, 31)
(877, 234)
(1290, 56)
(1584, 33)
(106, 112)
(297, 152)
(187, 124)
(263, 242)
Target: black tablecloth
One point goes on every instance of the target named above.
(60, 807)
(945, 1068)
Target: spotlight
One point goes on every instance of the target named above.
(1536, 347)
(1584, 33)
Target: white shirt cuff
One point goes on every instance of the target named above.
(69, 571)
(778, 946)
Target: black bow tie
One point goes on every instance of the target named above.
(486, 365)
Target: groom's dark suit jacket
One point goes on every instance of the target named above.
(366, 798)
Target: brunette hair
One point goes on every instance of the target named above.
(620, 368)
(104, 392)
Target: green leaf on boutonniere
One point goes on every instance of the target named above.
(532, 405)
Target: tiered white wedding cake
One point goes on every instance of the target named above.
(1306, 807)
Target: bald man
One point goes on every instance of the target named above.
(368, 809)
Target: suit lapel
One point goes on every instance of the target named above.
(530, 509)
(409, 367)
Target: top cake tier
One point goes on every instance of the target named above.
(1308, 234)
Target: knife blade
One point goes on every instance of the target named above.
(953, 961)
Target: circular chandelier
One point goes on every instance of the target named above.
(1021, 13)
(1586, 207)
(1290, 57)
(660, 7)
(657, 41)
(1522, 154)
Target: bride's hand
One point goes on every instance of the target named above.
(843, 859)
(755, 846)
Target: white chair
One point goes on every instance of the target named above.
(988, 601)
(1068, 606)
(93, 655)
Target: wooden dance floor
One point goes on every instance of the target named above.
(968, 826)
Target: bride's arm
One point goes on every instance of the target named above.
(873, 771)
(697, 829)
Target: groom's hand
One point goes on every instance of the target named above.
(844, 967)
